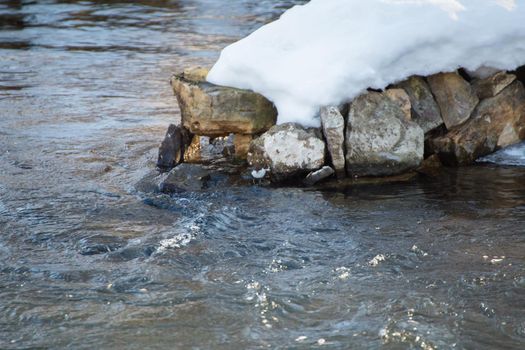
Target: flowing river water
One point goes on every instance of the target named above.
(89, 261)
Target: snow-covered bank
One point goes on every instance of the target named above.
(330, 51)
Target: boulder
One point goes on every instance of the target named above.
(379, 140)
(497, 122)
(333, 125)
(212, 110)
(318, 175)
(173, 146)
(401, 98)
(425, 111)
(493, 85)
(455, 97)
(287, 150)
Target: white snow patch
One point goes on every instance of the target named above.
(329, 51)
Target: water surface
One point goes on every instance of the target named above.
(87, 261)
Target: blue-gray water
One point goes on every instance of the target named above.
(87, 261)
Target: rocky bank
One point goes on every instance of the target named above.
(421, 123)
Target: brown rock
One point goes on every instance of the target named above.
(454, 96)
(497, 122)
(425, 111)
(493, 85)
(242, 145)
(213, 110)
(401, 98)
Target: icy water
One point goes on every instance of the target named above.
(87, 261)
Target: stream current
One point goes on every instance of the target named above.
(88, 261)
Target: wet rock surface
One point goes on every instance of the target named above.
(288, 150)
(455, 97)
(212, 110)
(379, 140)
(171, 151)
(318, 175)
(199, 177)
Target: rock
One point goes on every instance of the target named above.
(100, 244)
(430, 166)
(497, 122)
(493, 85)
(454, 96)
(241, 145)
(212, 110)
(379, 141)
(333, 125)
(186, 177)
(425, 111)
(172, 148)
(400, 97)
(482, 72)
(287, 150)
(204, 149)
(318, 175)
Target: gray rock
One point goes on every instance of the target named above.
(333, 129)
(379, 141)
(212, 110)
(425, 111)
(287, 150)
(172, 148)
(318, 175)
(493, 85)
(497, 122)
(454, 96)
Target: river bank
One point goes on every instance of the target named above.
(87, 260)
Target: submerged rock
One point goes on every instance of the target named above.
(318, 175)
(497, 122)
(100, 244)
(493, 85)
(186, 177)
(333, 125)
(455, 97)
(173, 146)
(379, 140)
(287, 150)
(198, 177)
(425, 110)
(212, 110)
